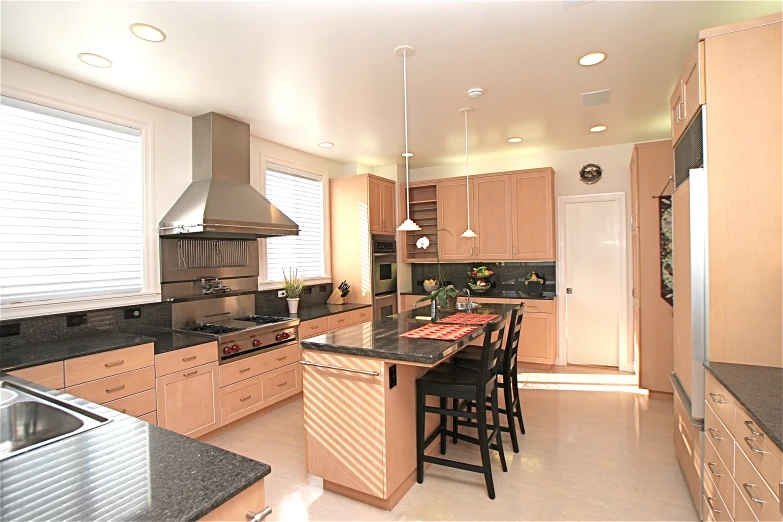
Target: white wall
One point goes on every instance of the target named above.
(615, 162)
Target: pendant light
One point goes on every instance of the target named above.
(468, 232)
(406, 50)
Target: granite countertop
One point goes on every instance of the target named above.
(309, 312)
(124, 470)
(758, 389)
(168, 340)
(381, 339)
(494, 292)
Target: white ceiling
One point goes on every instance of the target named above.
(302, 73)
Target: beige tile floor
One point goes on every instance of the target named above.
(586, 456)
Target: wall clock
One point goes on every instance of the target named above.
(591, 173)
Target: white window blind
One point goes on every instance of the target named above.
(71, 205)
(300, 196)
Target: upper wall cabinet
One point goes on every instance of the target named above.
(689, 92)
(381, 194)
(453, 218)
(533, 215)
(492, 203)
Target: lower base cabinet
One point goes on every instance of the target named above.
(188, 400)
(250, 395)
(247, 504)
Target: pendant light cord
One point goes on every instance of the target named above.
(405, 103)
(467, 178)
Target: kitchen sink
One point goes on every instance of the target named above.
(29, 419)
(464, 306)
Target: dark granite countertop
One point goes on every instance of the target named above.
(124, 470)
(381, 339)
(758, 389)
(15, 358)
(168, 340)
(309, 312)
(495, 292)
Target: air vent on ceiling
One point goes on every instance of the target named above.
(590, 99)
(574, 3)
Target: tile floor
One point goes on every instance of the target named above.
(586, 456)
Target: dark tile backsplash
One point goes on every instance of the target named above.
(31, 330)
(508, 276)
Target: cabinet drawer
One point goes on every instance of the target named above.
(151, 417)
(241, 399)
(178, 360)
(714, 506)
(362, 315)
(687, 443)
(261, 363)
(339, 320)
(742, 511)
(764, 504)
(135, 405)
(719, 400)
(539, 306)
(116, 386)
(766, 455)
(720, 473)
(49, 375)
(312, 328)
(106, 364)
(282, 384)
(719, 436)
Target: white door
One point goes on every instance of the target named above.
(594, 273)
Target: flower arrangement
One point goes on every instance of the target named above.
(444, 293)
(293, 283)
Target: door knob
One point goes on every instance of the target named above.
(569, 290)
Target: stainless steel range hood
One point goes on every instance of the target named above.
(220, 201)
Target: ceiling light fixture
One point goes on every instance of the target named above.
(407, 154)
(468, 232)
(515, 139)
(147, 32)
(598, 128)
(475, 93)
(326, 145)
(95, 60)
(404, 50)
(592, 59)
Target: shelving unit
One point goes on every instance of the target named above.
(424, 211)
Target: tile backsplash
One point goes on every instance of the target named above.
(508, 276)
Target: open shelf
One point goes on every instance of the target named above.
(424, 211)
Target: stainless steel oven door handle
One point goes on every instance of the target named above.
(329, 367)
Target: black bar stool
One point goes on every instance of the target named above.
(470, 357)
(467, 384)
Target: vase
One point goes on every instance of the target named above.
(293, 305)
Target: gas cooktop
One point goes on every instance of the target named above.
(263, 319)
(214, 329)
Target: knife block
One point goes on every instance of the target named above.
(336, 298)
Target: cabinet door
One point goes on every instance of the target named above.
(387, 207)
(538, 338)
(376, 206)
(533, 215)
(453, 216)
(692, 85)
(676, 104)
(681, 261)
(491, 208)
(188, 400)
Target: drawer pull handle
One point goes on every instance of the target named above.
(314, 327)
(186, 359)
(754, 449)
(713, 431)
(717, 398)
(243, 370)
(243, 399)
(116, 388)
(123, 410)
(258, 517)
(749, 424)
(283, 358)
(712, 508)
(282, 384)
(711, 465)
(114, 363)
(750, 493)
(328, 367)
(190, 374)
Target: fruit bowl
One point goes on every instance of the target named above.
(430, 287)
(479, 286)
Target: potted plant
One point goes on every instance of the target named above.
(293, 285)
(445, 295)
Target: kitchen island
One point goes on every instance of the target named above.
(359, 387)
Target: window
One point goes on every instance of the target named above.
(71, 205)
(300, 196)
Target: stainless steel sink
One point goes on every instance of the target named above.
(29, 419)
(464, 306)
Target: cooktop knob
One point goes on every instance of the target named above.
(227, 350)
(235, 348)
(256, 343)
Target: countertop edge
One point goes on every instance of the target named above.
(488, 296)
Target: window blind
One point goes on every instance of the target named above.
(71, 205)
(299, 195)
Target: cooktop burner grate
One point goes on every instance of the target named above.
(215, 329)
(262, 319)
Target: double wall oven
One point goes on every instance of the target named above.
(384, 276)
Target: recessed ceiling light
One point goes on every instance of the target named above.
(598, 128)
(95, 60)
(407, 154)
(592, 59)
(326, 145)
(475, 93)
(148, 32)
(514, 140)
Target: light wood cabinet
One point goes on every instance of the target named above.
(538, 338)
(251, 500)
(50, 375)
(533, 215)
(361, 315)
(424, 212)
(105, 364)
(689, 92)
(387, 208)
(453, 217)
(381, 198)
(115, 387)
(492, 197)
(188, 401)
(408, 302)
(190, 357)
(681, 263)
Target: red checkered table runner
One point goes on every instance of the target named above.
(465, 318)
(440, 332)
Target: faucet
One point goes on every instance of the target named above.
(470, 300)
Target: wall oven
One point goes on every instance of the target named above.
(384, 266)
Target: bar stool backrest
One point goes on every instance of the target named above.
(490, 351)
(512, 343)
